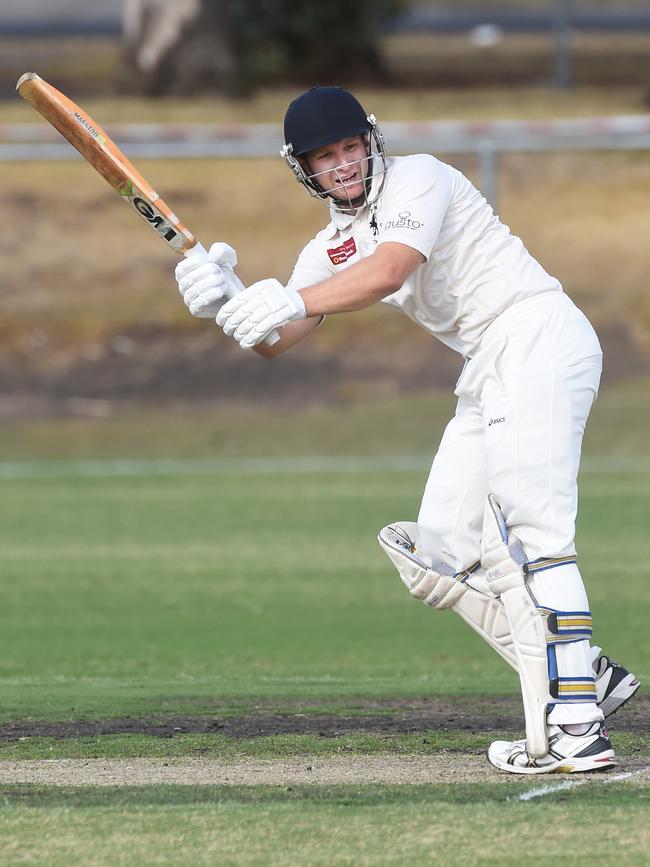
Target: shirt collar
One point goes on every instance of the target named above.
(338, 222)
(342, 219)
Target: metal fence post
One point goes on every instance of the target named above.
(562, 39)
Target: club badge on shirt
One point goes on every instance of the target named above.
(341, 254)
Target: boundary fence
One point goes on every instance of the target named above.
(487, 140)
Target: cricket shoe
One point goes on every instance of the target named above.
(615, 685)
(567, 754)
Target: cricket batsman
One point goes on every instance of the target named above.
(494, 537)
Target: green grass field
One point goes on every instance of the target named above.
(119, 592)
(337, 826)
(243, 587)
(199, 587)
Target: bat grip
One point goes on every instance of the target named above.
(233, 284)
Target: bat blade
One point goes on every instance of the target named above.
(96, 146)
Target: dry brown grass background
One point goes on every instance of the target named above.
(80, 271)
(78, 266)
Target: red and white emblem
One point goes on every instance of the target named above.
(341, 254)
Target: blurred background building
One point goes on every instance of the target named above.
(170, 45)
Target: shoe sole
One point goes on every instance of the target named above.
(619, 701)
(569, 765)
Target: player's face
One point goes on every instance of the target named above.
(340, 168)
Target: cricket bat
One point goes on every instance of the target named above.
(104, 156)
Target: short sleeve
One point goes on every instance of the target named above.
(415, 202)
(311, 267)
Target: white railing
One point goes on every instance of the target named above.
(486, 139)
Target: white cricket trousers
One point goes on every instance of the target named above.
(523, 402)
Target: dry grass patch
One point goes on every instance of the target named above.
(79, 267)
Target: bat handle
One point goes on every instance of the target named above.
(233, 283)
(198, 251)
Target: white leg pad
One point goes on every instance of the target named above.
(487, 617)
(433, 583)
(484, 614)
(561, 587)
(529, 640)
(503, 559)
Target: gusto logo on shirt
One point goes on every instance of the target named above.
(341, 254)
(403, 221)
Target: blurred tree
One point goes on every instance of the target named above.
(186, 46)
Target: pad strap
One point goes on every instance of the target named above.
(563, 627)
(580, 690)
(467, 573)
(574, 689)
(549, 563)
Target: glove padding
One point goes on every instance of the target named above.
(258, 310)
(206, 283)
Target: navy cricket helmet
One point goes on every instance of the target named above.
(321, 116)
(324, 115)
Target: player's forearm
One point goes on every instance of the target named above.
(359, 286)
(290, 334)
(266, 305)
(363, 283)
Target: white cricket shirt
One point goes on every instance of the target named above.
(474, 270)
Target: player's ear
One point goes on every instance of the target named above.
(303, 161)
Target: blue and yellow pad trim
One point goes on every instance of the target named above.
(565, 626)
(573, 689)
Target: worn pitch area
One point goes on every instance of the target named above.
(383, 717)
(330, 770)
(387, 717)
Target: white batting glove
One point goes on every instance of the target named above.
(206, 283)
(258, 310)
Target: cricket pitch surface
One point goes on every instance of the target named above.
(356, 770)
(383, 717)
(379, 716)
